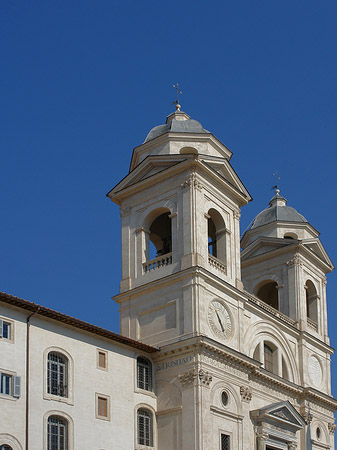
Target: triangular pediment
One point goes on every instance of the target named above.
(264, 245)
(282, 414)
(316, 247)
(149, 167)
(226, 172)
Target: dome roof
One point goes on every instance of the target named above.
(177, 122)
(277, 211)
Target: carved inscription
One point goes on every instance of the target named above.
(175, 363)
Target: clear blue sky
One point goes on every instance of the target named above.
(82, 82)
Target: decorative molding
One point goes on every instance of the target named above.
(191, 181)
(246, 393)
(307, 416)
(237, 215)
(292, 446)
(205, 377)
(125, 211)
(188, 378)
(331, 427)
(295, 261)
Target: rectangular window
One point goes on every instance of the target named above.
(10, 385)
(5, 329)
(6, 384)
(102, 407)
(102, 359)
(225, 442)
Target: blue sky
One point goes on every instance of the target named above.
(83, 82)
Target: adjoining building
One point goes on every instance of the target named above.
(219, 348)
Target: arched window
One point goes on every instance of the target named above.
(57, 433)
(272, 359)
(268, 358)
(57, 374)
(160, 236)
(290, 236)
(144, 428)
(5, 447)
(216, 235)
(311, 300)
(144, 373)
(268, 293)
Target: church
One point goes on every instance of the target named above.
(224, 342)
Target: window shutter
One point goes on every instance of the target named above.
(1, 328)
(17, 387)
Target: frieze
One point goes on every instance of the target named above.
(283, 430)
(215, 362)
(175, 363)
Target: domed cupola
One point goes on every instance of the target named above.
(279, 221)
(177, 122)
(277, 211)
(180, 135)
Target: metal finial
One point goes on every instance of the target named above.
(176, 86)
(276, 187)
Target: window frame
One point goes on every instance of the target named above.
(107, 399)
(10, 323)
(63, 416)
(98, 353)
(70, 376)
(65, 426)
(150, 438)
(14, 385)
(148, 375)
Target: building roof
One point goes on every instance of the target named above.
(177, 122)
(63, 318)
(278, 211)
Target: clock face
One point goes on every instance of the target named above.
(315, 371)
(219, 320)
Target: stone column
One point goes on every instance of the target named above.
(236, 257)
(261, 440)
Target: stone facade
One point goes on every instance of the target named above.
(223, 350)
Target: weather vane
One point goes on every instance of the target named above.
(176, 86)
(276, 187)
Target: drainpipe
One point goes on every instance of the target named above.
(27, 375)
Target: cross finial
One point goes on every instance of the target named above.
(276, 187)
(176, 86)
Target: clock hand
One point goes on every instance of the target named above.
(222, 328)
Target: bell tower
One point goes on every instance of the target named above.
(180, 209)
(284, 264)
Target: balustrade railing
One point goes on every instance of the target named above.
(216, 263)
(312, 324)
(157, 263)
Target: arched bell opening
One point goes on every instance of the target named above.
(216, 229)
(311, 301)
(268, 293)
(160, 236)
